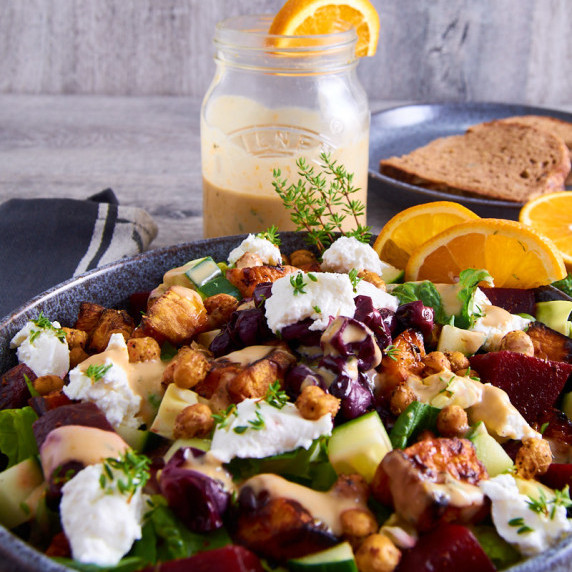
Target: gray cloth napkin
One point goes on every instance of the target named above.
(46, 241)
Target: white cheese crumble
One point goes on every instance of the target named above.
(529, 531)
(280, 430)
(495, 324)
(268, 252)
(100, 524)
(41, 349)
(323, 295)
(347, 252)
(112, 392)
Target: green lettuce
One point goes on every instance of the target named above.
(425, 292)
(468, 281)
(17, 439)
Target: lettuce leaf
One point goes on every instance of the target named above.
(415, 418)
(468, 281)
(427, 293)
(565, 284)
(17, 439)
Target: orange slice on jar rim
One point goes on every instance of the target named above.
(515, 255)
(318, 17)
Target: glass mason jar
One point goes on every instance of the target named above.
(273, 100)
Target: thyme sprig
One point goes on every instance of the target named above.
(271, 235)
(321, 202)
(126, 474)
(275, 395)
(46, 325)
(96, 372)
(224, 418)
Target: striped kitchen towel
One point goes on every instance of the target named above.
(46, 241)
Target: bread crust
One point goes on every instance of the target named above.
(500, 160)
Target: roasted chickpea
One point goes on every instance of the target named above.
(357, 524)
(452, 421)
(47, 383)
(377, 553)
(401, 397)
(75, 338)
(372, 278)
(193, 421)
(519, 342)
(191, 368)
(533, 458)
(143, 349)
(77, 355)
(458, 361)
(219, 309)
(435, 362)
(303, 258)
(314, 403)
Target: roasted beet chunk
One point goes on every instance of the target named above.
(513, 300)
(449, 548)
(533, 385)
(14, 392)
(228, 558)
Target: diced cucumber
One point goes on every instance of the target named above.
(16, 485)
(219, 285)
(173, 402)
(359, 445)
(556, 315)
(202, 444)
(390, 274)
(489, 451)
(135, 438)
(567, 404)
(339, 558)
(202, 271)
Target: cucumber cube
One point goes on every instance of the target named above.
(489, 451)
(203, 271)
(358, 446)
(339, 558)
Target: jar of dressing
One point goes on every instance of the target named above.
(273, 100)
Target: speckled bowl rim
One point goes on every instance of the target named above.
(138, 273)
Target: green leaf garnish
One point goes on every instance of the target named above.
(271, 235)
(96, 372)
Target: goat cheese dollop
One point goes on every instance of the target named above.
(268, 252)
(108, 386)
(319, 296)
(347, 252)
(259, 430)
(495, 323)
(42, 346)
(101, 524)
(530, 531)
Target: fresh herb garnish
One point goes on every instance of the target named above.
(320, 202)
(547, 507)
(275, 396)
(523, 528)
(134, 469)
(96, 372)
(297, 283)
(354, 278)
(223, 419)
(271, 235)
(391, 351)
(257, 424)
(46, 325)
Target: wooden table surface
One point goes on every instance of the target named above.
(145, 148)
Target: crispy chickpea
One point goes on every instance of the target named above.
(434, 363)
(533, 458)
(372, 278)
(377, 553)
(452, 421)
(401, 397)
(357, 525)
(143, 349)
(467, 373)
(75, 338)
(519, 342)
(47, 383)
(193, 421)
(249, 260)
(314, 403)
(219, 309)
(191, 368)
(458, 361)
(302, 258)
(77, 355)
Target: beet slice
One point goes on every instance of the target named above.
(14, 392)
(86, 414)
(228, 558)
(513, 300)
(558, 476)
(451, 547)
(532, 384)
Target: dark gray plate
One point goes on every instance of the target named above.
(111, 286)
(402, 129)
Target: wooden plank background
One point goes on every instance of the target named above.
(430, 50)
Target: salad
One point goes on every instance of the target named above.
(276, 411)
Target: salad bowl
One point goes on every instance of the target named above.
(111, 286)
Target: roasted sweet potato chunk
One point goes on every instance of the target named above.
(550, 344)
(110, 322)
(246, 279)
(176, 316)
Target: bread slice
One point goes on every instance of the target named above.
(558, 127)
(498, 160)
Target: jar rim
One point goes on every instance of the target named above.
(251, 32)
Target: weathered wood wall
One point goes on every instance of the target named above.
(497, 50)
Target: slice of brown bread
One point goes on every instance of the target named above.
(507, 161)
(558, 127)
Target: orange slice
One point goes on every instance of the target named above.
(310, 17)
(515, 255)
(551, 215)
(410, 228)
